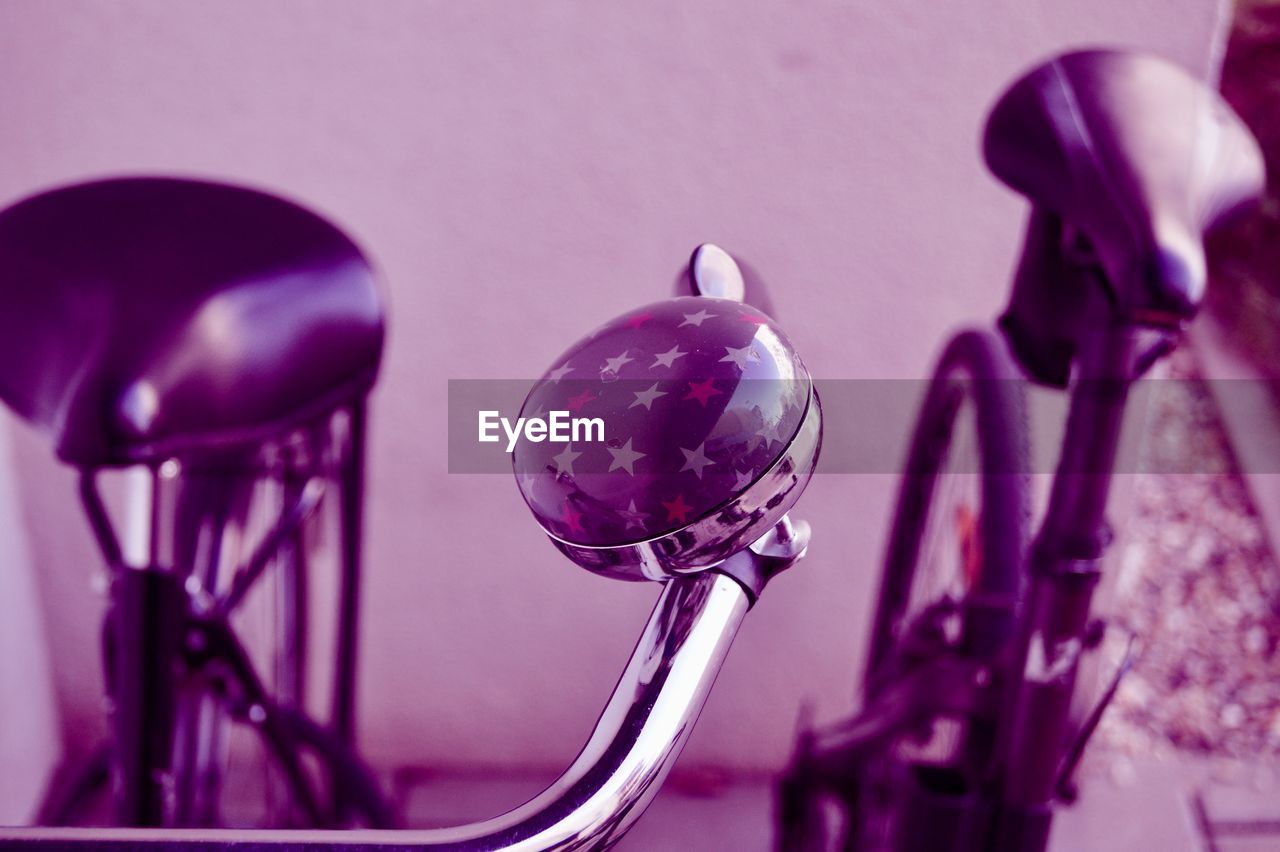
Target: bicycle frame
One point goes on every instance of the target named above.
(151, 630)
(162, 620)
(1031, 689)
(1064, 565)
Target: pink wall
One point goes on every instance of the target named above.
(522, 172)
(28, 713)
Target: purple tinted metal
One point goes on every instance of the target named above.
(1136, 154)
(699, 397)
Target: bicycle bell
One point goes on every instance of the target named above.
(690, 428)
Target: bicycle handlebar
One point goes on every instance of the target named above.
(604, 791)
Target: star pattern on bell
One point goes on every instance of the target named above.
(646, 397)
(702, 391)
(634, 519)
(697, 318)
(696, 459)
(613, 365)
(576, 403)
(694, 395)
(677, 509)
(572, 518)
(668, 358)
(564, 461)
(624, 458)
(739, 356)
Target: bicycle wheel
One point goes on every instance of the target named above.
(950, 587)
(961, 525)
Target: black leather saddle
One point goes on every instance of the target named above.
(1134, 156)
(143, 318)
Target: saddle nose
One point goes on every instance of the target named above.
(687, 429)
(1174, 272)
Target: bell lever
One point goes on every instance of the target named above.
(714, 273)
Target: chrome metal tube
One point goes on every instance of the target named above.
(639, 734)
(605, 790)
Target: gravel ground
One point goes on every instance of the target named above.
(1196, 580)
(1199, 585)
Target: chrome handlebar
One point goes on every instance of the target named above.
(640, 733)
(605, 790)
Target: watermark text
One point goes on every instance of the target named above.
(557, 427)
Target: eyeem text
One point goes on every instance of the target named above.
(557, 427)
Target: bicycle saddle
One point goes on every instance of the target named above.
(711, 430)
(146, 317)
(1135, 155)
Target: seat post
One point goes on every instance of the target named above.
(351, 497)
(146, 630)
(147, 618)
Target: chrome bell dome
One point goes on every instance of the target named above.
(693, 427)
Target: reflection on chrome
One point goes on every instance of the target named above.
(732, 526)
(603, 792)
(641, 730)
